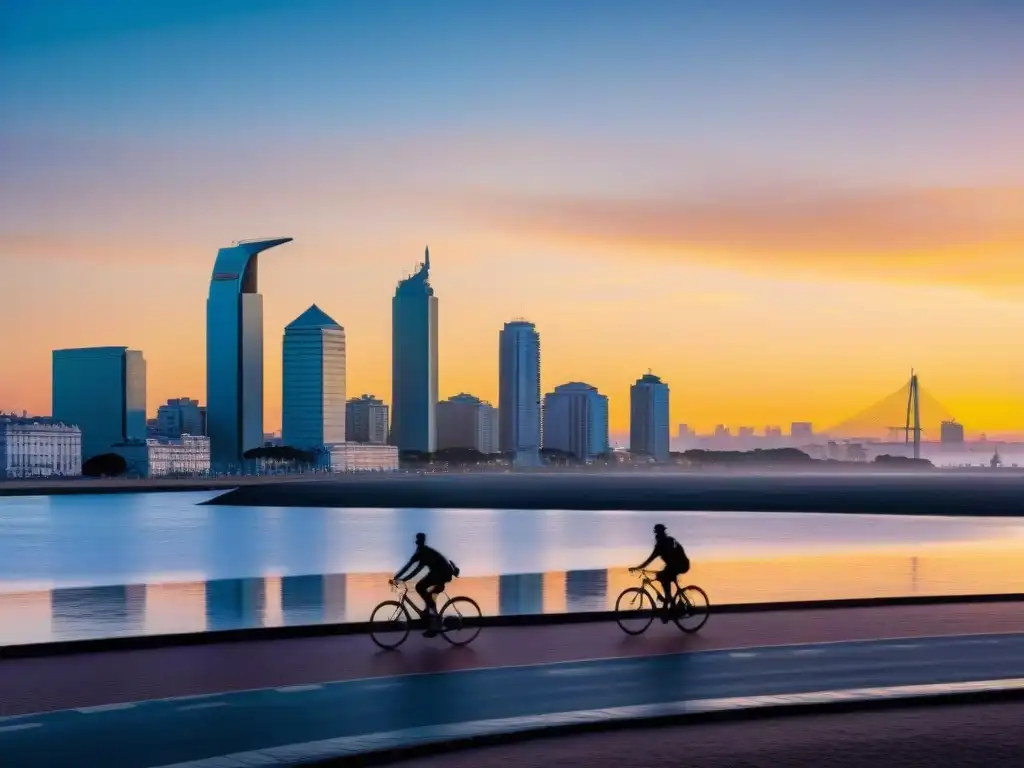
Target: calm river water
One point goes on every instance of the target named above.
(88, 566)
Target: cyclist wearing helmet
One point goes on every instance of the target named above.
(676, 562)
(440, 571)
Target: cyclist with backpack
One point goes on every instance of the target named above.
(440, 571)
(676, 562)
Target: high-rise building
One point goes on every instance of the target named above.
(576, 420)
(414, 363)
(519, 403)
(465, 421)
(180, 416)
(313, 386)
(951, 433)
(102, 391)
(234, 352)
(648, 417)
(366, 420)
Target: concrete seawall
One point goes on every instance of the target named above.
(979, 494)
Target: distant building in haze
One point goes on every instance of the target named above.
(465, 421)
(102, 391)
(313, 381)
(519, 397)
(773, 432)
(414, 362)
(801, 430)
(649, 417)
(576, 420)
(366, 420)
(951, 433)
(234, 352)
(180, 416)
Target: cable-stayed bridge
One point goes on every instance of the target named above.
(910, 414)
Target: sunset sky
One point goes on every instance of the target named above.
(778, 206)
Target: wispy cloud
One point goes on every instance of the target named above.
(962, 236)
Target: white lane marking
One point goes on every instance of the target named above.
(19, 727)
(204, 705)
(370, 742)
(809, 652)
(298, 688)
(742, 655)
(105, 708)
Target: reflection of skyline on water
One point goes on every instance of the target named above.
(67, 541)
(223, 604)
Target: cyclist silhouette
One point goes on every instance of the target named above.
(676, 562)
(440, 571)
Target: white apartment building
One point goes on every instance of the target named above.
(465, 421)
(39, 447)
(357, 457)
(186, 456)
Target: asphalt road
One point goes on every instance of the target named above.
(169, 731)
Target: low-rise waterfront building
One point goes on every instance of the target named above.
(39, 447)
(357, 457)
(186, 456)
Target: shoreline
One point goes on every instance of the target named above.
(924, 493)
(932, 492)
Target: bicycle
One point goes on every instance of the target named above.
(688, 603)
(453, 614)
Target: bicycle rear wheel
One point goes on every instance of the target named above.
(692, 608)
(389, 624)
(634, 610)
(460, 620)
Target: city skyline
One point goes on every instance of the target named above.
(793, 211)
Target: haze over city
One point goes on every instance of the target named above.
(780, 211)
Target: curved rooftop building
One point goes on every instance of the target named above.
(414, 362)
(234, 352)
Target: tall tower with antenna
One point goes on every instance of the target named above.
(914, 415)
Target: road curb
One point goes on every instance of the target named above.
(308, 631)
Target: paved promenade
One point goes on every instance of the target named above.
(976, 736)
(43, 684)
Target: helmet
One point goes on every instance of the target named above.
(421, 538)
(659, 529)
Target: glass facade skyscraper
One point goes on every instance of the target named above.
(576, 420)
(102, 391)
(519, 404)
(234, 353)
(414, 363)
(648, 417)
(313, 372)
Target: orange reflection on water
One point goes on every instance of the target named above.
(24, 615)
(172, 608)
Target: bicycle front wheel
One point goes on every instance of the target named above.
(389, 624)
(692, 608)
(634, 610)
(460, 620)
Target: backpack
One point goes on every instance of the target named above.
(455, 568)
(680, 555)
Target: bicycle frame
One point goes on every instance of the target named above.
(404, 599)
(654, 584)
